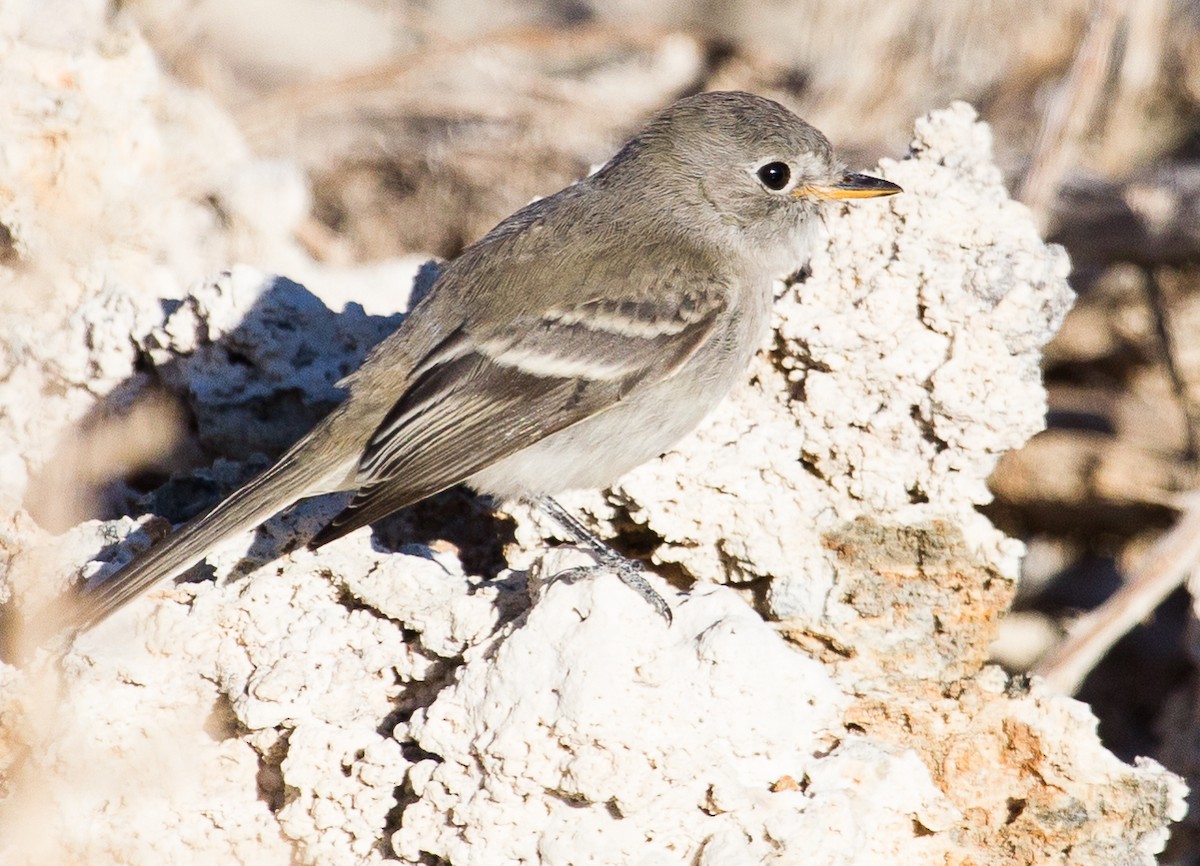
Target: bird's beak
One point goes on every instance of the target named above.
(850, 186)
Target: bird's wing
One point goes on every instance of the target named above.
(477, 399)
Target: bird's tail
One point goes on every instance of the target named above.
(298, 473)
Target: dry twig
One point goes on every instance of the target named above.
(1072, 108)
(1164, 567)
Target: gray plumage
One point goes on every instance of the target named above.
(582, 336)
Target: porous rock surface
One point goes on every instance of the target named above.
(822, 697)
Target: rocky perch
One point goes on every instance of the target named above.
(823, 696)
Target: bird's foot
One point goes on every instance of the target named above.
(629, 571)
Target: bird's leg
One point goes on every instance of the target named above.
(628, 570)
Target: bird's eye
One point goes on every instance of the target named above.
(775, 175)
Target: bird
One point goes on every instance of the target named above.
(582, 336)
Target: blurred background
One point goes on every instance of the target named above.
(420, 124)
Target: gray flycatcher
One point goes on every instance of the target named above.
(582, 336)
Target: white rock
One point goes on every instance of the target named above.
(272, 717)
